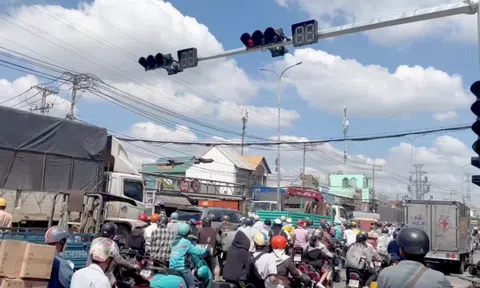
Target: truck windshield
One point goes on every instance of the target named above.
(343, 213)
(185, 215)
(261, 206)
(133, 189)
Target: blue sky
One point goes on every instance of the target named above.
(226, 21)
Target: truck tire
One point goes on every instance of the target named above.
(123, 234)
(460, 267)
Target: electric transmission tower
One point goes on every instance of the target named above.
(80, 82)
(419, 185)
(244, 125)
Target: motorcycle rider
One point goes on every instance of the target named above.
(267, 228)
(285, 265)
(288, 228)
(382, 243)
(173, 225)
(316, 252)
(148, 230)
(349, 235)
(393, 249)
(193, 227)
(284, 220)
(300, 235)
(108, 231)
(359, 258)
(354, 228)
(258, 224)
(137, 236)
(411, 271)
(161, 241)
(277, 229)
(264, 261)
(327, 238)
(180, 250)
(308, 225)
(96, 274)
(208, 235)
(249, 232)
(225, 235)
(61, 271)
(338, 230)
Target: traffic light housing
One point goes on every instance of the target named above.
(270, 36)
(475, 161)
(158, 61)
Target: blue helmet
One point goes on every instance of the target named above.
(183, 229)
(174, 215)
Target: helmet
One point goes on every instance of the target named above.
(249, 222)
(413, 241)
(3, 202)
(279, 242)
(143, 217)
(336, 223)
(206, 222)
(402, 224)
(260, 239)
(226, 218)
(361, 238)
(203, 272)
(108, 229)
(103, 249)
(283, 218)
(267, 222)
(384, 230)
(56, 234)
(256, 218)
(277, 222)
(395, 234)
(300, 223)
(318, 233)
(354, 224)
(211, 217)
(183, 229)
(289, 220)
(174, 215)
(154, 218)
(163, 221)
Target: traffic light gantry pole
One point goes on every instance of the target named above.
(466, 7)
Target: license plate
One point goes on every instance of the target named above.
(353, 283)
(146, 273)
(297, 258)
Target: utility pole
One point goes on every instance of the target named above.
(373, 184)
(345, 131)
(244, 125)
(303, 169)
(467, 198)
(45, 91)
(419, 185)
(452, 192)
(80, 82)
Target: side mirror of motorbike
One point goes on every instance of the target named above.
(71, 264)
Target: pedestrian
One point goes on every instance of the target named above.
(5, 217)
(414, 244)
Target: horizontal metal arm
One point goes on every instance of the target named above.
(466, 7)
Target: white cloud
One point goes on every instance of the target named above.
(10, 96)
(107, 37)
(328, 82)
(332, 13)
(449, 115)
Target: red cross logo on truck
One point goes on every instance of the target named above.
(444, 223)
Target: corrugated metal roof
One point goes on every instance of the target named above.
(235, 158)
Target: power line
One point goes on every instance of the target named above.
(327, 140)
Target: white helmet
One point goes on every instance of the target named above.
(289, 220)
(256, 218)
(102, 249)
(283, 218)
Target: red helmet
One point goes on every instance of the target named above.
(279, 242)
(300, 223)
(143, 217)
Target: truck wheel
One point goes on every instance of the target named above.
(123, 235)
(461, 266)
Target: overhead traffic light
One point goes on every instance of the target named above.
(159, 61)
(475, 161)
(268, 37)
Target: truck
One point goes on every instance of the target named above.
(41, 156)
(447, 226)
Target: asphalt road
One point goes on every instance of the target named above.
(455, 281)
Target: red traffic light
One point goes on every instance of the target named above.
(247, 40)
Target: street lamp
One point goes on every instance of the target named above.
(279, 81)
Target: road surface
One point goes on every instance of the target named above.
(455, 281)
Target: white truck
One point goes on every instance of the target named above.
(41, 156)
(447, 225)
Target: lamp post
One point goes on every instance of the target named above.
(279, 81)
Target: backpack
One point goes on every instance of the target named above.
(249, 270)
(354, 256)
(227, 239)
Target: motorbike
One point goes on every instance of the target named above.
(315, 276)
(297, 255)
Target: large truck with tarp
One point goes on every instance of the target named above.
(41, 156)
(447, 226)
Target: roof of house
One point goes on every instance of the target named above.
(235, 158)
(255, 161)
(175, 169)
